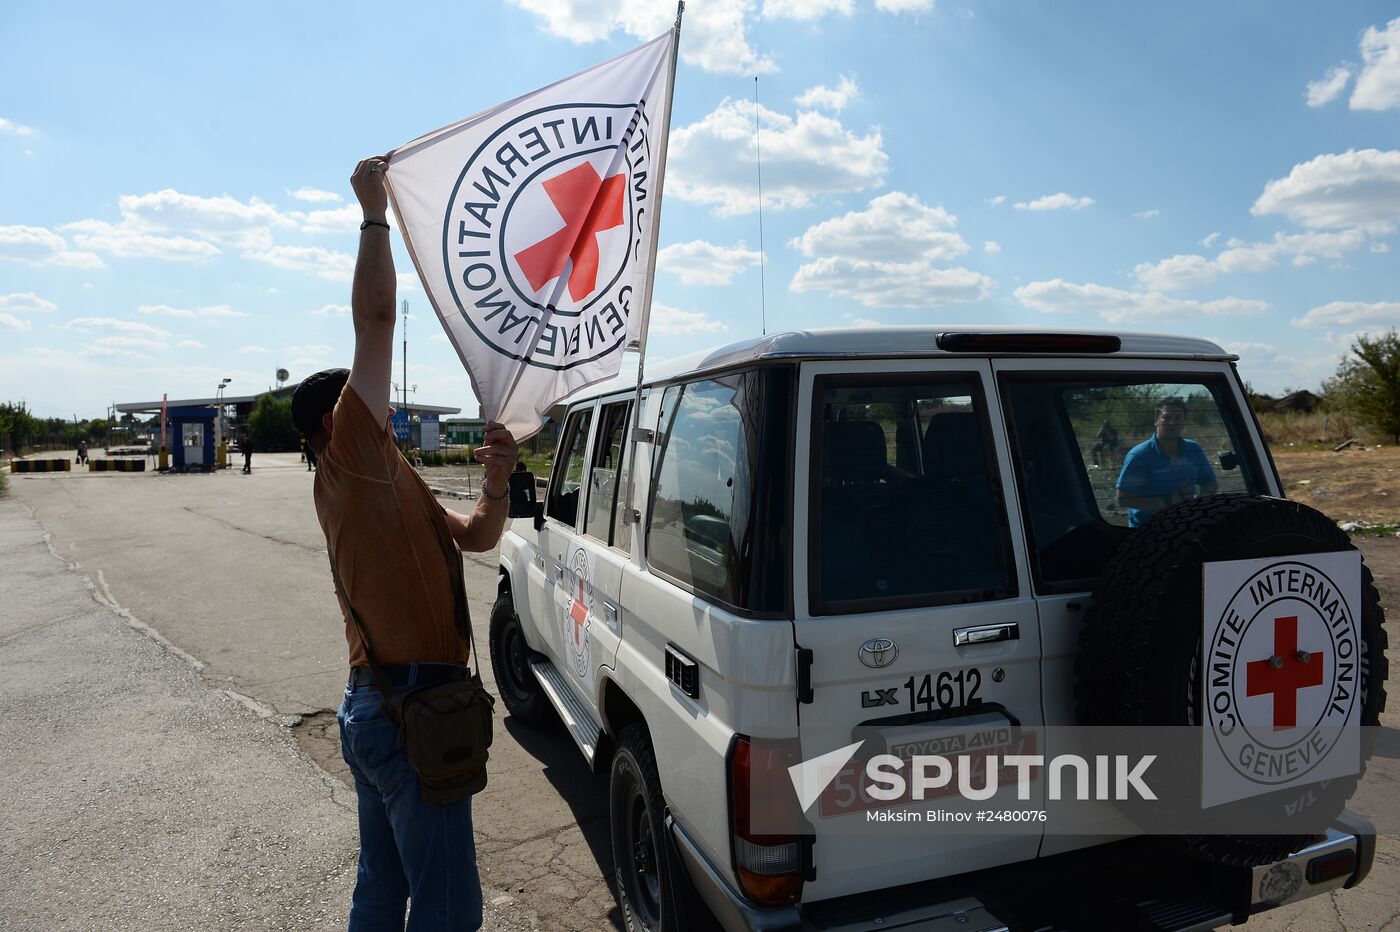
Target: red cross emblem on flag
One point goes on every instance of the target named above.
(1283, 674)
(589, 205)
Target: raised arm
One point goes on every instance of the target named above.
(480, 530)
(372, 295)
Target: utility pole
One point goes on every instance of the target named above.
(405, 354)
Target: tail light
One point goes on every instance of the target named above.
(769, 866)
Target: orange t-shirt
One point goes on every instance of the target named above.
(390, 540)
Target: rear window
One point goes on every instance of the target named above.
(906, 509)
(1096, 459)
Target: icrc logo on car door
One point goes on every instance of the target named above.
(578, 614)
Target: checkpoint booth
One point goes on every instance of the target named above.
(191, 440)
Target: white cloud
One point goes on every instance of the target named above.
(670, 320)
(220, 310)
(894, 227)
(40, 246)
(316, 196)
(324, 263)
(1355, 188)
(906, 6)
(995, 201)
(10, 126)
(162, 310)
(712, 161)
(15, 323)
(805, 9)
(1060, 201)
(830, 98)
(891, 284)
(26, 302)
(111, 323)
(191, 344)
(221, 219)
(716, 37)
(439, 338)
(1328, 87)
(128, 242)
(115, 352)
(1354, 314)
(1117, 305)
(344, 219)
(254, 349)
(1148, 214)
(991, 247)
(1378, 85)
(866, 322)
(1176, 272)
(1257, 350)
(142, 342)
(1301, 248)
(1210, 239)
(1380, 248)
(332, 310)
(702, 263)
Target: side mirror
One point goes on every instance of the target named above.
(522, 495)
(1229, 460)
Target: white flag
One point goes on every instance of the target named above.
(533, 229)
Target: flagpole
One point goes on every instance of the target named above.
(631, 515)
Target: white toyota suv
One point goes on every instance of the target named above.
(844, 533)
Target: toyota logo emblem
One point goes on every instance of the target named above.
(878, 652)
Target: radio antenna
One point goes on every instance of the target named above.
(758, 155)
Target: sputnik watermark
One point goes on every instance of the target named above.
(889, 778)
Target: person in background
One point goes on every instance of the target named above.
(245, 444)
(1164, 469)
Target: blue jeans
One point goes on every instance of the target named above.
(408, 848)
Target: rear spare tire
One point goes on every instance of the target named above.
(1139, 661)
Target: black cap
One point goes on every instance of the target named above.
(315, 396)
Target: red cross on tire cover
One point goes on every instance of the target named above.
(1253, 622)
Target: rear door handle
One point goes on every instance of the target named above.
(610, 616)
(986, 634)
(558, 573)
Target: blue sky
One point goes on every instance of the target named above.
(177, 207)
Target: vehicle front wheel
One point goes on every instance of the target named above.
(510, 662)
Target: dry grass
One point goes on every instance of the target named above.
(1319, 430)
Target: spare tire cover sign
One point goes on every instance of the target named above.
(1281, 674)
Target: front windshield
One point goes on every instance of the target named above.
(1096, 459)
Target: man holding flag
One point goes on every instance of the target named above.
(533, 228)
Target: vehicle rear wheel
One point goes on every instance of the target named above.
(650, 882)
(510, 662)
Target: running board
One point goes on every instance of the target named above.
(577, 719)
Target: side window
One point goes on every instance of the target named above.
(905, 508)
(702, 486)
(564, 493)
(605, 475)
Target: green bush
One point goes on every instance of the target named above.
(1367, 383)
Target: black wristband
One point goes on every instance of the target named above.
(375, 223)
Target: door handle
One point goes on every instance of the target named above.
(558, 573)
(986, 634)
(610, 616)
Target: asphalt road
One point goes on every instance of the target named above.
(230, 571)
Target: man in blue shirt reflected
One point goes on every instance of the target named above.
(1164, 469)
